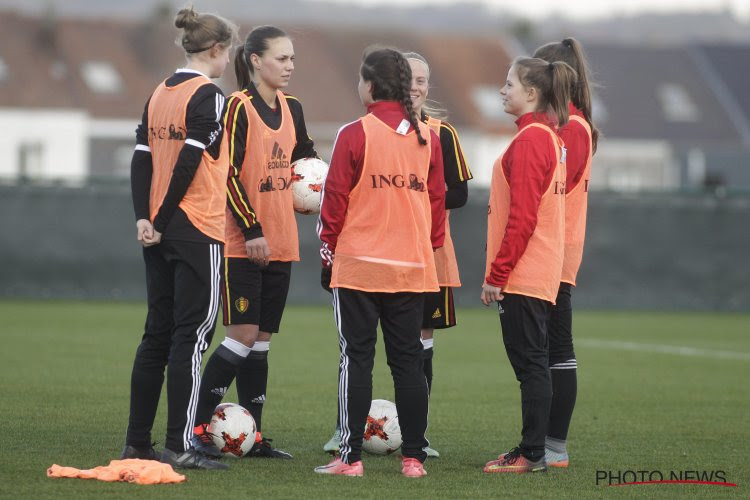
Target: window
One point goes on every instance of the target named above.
(101, 77)
(30, 160)
(4, 70)
(676, 104)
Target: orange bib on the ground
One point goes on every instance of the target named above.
(385, 244)
(131, 470)
(576, 204)
(537, 273)
(205, 200)
(445, 256)
(266, 175)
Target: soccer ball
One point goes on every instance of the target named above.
(308, 175)
(232, 429)
(382, 432)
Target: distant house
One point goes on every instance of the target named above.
(671, 117)
(73, 91)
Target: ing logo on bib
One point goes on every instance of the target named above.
(397, 181)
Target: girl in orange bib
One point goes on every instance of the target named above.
(178, 179)
(525, 236)
(266, 133)
(580, 137)
(382, 216)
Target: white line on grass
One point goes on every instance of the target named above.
(664, 349)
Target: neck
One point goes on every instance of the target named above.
(199, 65)
(267, 93)
(418, 112)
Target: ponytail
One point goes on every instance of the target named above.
(405, 75)
(553, 81)
(571, 51)
(390, 75)
(241, 69)
(563, 79)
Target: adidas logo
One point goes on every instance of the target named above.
(220, 391)
(259, 400)
(437, 314)
(278, 158)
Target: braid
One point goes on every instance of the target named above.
(404, 71)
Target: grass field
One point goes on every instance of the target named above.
(657, 392)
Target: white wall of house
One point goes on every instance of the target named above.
(43, 145)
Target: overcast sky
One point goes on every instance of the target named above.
(588, 9)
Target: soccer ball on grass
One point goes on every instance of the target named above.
(232, 429)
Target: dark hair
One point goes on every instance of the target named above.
(570, 51)
(202, 31)
(553, 81)
(390, 75)
(255, 43)
(430, 107)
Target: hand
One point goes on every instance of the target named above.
(325, 278)
(258, 251)
(491, 294)
(145, 231)
(155, 239)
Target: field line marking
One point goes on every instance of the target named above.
(663, 349)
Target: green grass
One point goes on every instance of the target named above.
(65, 393)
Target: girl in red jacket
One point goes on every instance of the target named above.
(580, 137)
(383, 214)
(525, 238)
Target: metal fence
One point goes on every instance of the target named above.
(644, 251)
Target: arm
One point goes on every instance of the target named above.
(457, 173)
(529, 177)
(343, 174)
(436, 190)
(141, 171)
(305, 147)
(235, 126)
(203, 122)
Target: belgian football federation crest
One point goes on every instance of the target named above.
(241, 304)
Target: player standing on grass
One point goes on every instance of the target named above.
(382, 216)
(580, 137)
(525, 236)
(178, 178)
(439, 311)
(266, 133)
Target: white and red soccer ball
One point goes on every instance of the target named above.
(308, 176)
(232, 429)
(382, 431)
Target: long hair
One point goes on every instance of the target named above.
(553, 81)
(570, 51)
(430, 107)
(390, 75)
(201, 31)
(255, 43)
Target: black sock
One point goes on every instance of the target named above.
(252, 380)
(564, 390)
(217, 378)
(427, 357)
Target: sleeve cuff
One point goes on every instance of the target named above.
(252, 232)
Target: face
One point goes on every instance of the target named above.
(517, 99)
(219, 57)
(364, 88)
(420, 84)
(275, 67)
